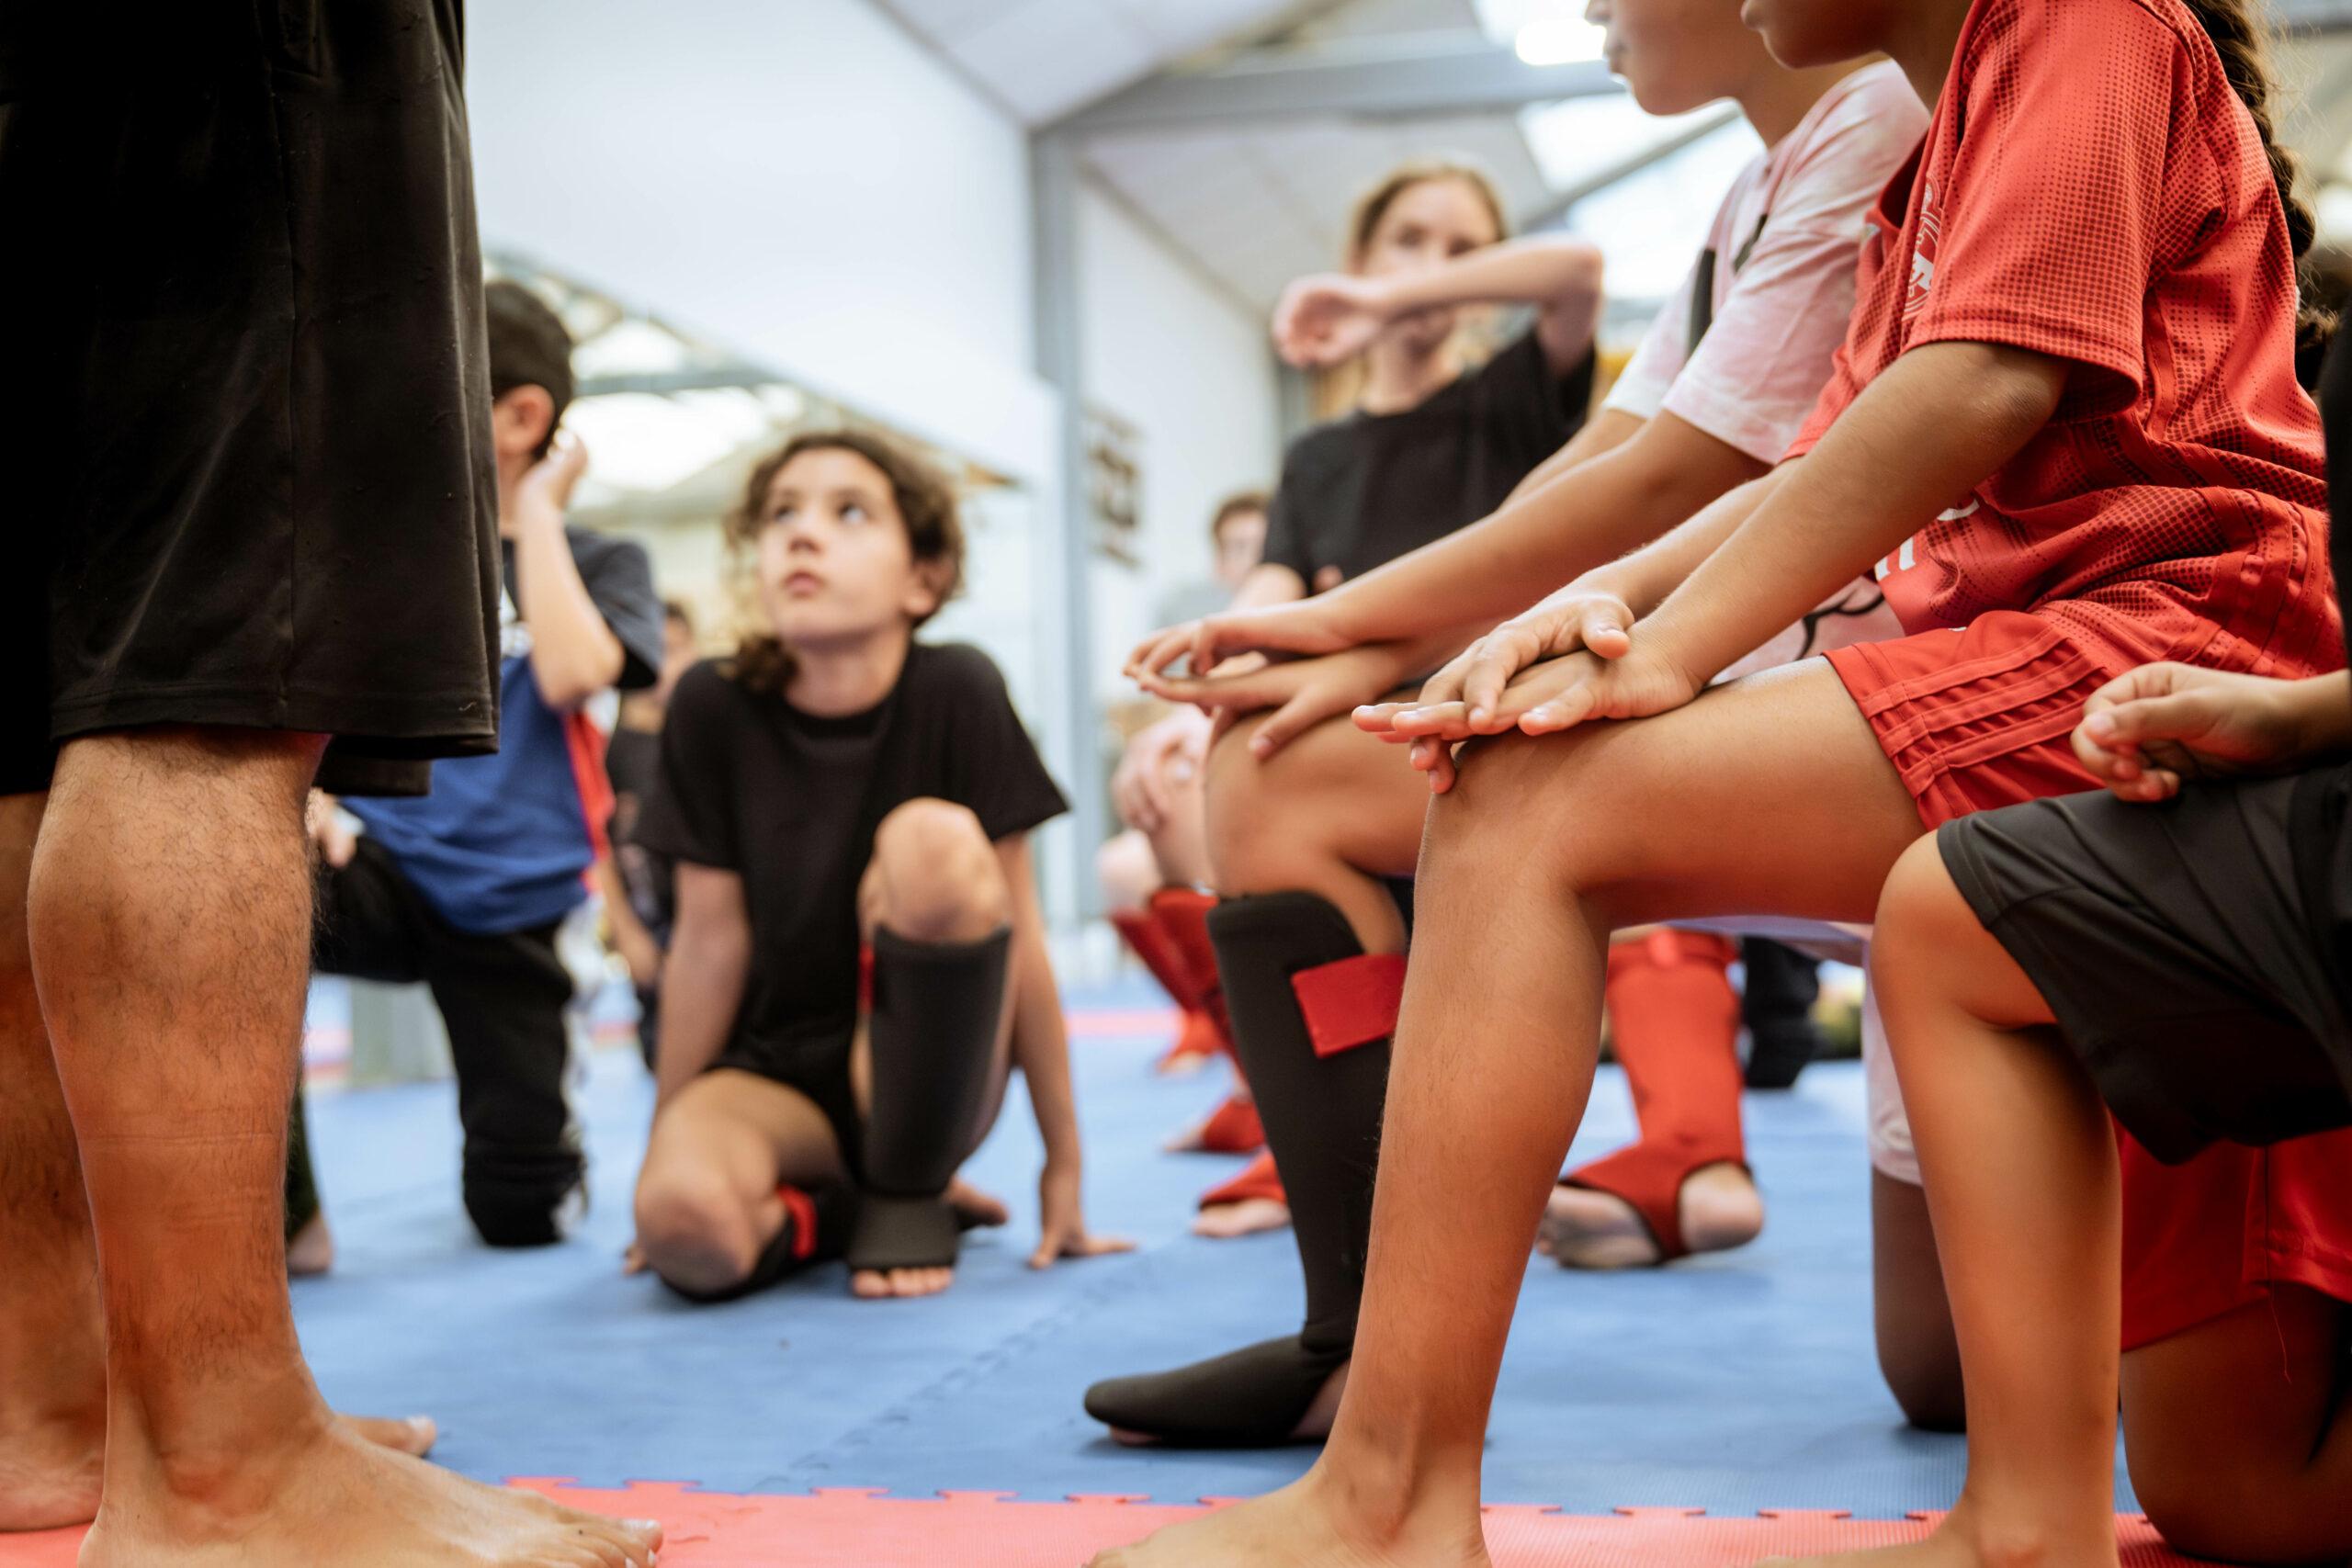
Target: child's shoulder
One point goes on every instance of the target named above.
(955, 668)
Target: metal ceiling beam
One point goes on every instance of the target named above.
(1445, 75)
(716, 378)
(1560, 203)
(2314, 15)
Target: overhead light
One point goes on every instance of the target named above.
(1558, 37)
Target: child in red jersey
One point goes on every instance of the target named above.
(2065, 421)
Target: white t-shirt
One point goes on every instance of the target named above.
(1786, 243)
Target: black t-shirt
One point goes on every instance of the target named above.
(633, 764)
(789, 802)
(1359, 492)
(2323, 814)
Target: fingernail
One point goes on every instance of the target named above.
(1477, 715)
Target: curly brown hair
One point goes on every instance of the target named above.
(926, 504)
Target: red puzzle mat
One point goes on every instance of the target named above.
(848, 1528)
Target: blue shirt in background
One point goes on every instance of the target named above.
(503, 843)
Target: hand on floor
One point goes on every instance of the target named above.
(1063, 1232)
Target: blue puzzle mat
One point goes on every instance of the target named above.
(1735, 1383)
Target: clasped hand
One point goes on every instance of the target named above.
(1572, 658)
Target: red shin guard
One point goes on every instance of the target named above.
(1675, 1021)
(1258, 1179)
(1170, 936)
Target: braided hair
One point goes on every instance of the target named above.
(2242, 35)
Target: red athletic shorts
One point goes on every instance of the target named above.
(1978, 718)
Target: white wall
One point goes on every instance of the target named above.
(1172, 354)
(796, 179)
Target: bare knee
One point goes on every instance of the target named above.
(1253, 845)
(1919, 1351)
(1929, 949)
(1128, 870)
(694, 1231)
(936, 876)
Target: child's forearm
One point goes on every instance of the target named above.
(702, 987)
(1625, 497)
(574, 654)
(1920, 437)
(1041, 1047)
(2322, 710)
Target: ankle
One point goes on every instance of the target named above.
(219, 1452)
(1385, 1498)
(2016, 1539)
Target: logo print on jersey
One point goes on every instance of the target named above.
(1923, 255)
(1908, 557)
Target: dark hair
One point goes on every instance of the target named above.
(528, 347)
(1233, 506)
(2242, 36)
(926, 504)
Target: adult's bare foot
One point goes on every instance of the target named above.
(327, 1495)
(1301, 1526)
(51, 1465)
(1224, 1222)
(412, 1435)
(1585, 1228)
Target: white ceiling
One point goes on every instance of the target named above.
(1259, 205)
(1043, 58)
(1255, 205)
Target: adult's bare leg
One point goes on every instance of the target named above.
(53, 1353)
(169, 922)
(1542, 849)
(2024, 1190)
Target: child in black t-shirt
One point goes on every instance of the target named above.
(859, 955)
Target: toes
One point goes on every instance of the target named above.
(867, 1285)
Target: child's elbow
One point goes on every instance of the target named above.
(2018, 390)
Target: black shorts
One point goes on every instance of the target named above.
(816, 1066)
(248, 407)
(2172, 944)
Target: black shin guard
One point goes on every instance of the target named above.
(1320, 1097)
(816, 1230)
(933, 1033)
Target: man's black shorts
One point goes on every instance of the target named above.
(247, 418)
(2174, 948)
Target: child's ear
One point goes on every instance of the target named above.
(522, 419)
(927, 593)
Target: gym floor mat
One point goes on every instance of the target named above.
(1733, 1383)
(853, 1527)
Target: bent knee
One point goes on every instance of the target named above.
(939, 879)
(2205, 1512)
(1127, 870)
(694, 1232)
(1925, 1385)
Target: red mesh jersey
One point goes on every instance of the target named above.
(2091, 187)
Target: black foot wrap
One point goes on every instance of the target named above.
(933, 1032)
(1777, 1006)
(1252, 1398)
(816, 1230)
(1322, 1116)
